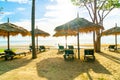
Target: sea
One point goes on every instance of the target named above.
(50, 41)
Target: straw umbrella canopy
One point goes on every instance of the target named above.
(79, 25)
(7, 29)
(65, 33)
(12, 29)
(41, 33)
(112, 31)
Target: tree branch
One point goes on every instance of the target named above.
(102, 5)
(91, 6)
(89, 11)
(99, 9)
(108, 12)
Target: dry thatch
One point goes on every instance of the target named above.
(39, 32)
(79, 24)
(12, 29)
(65, 33)
(112, 31)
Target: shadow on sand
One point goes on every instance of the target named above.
(9, 65)
(58, 69)
(113, 58)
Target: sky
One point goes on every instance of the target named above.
(52, 13)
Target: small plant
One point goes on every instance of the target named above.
(101, 79)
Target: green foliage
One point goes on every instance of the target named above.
(2, 50)
(111, 4)
(75, 2)
(108, 4)
(101, 79)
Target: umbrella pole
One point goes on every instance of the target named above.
(78, 46)
(116, 41)
(37, 42)
(8, 41)
(66, 41)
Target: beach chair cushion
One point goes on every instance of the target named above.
(42, 48)
(69, 54)
(70, 47)
(61, 49)
(89, 54)
(111, 47)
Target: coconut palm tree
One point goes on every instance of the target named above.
(34, 55)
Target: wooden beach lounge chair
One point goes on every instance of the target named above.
(69, 54)
(111, 47)
(2, 54)
(89, 54)
(42, 48)
(70, 47)
(61, 49)
(9, 54)
(30, 48)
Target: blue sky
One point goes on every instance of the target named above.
(51, 13)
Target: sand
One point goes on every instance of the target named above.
(50, 65)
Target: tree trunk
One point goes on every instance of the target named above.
(98, 42)
(33, 28)
(94, 21)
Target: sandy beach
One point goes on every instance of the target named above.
(50, 65)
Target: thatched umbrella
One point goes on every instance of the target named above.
(65, 33)
(79, 25)
(112, 31)
(7, 29)
(39, 32)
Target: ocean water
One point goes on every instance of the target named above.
(49, 41)
(23, 42)
(27, 42)
(18, 40)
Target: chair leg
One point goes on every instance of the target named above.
(11, 57)
(64, 57)
(6, 58)
(85, 58)
(73, 57)
(93, 58)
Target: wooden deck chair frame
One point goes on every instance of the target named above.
(69, 54)
(9, 54)
(89, 54)
(42, 48)
(112, 47)
(70, 47)
(61, 49)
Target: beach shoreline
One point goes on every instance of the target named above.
(55, 46)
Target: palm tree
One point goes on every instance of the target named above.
(33, 26)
